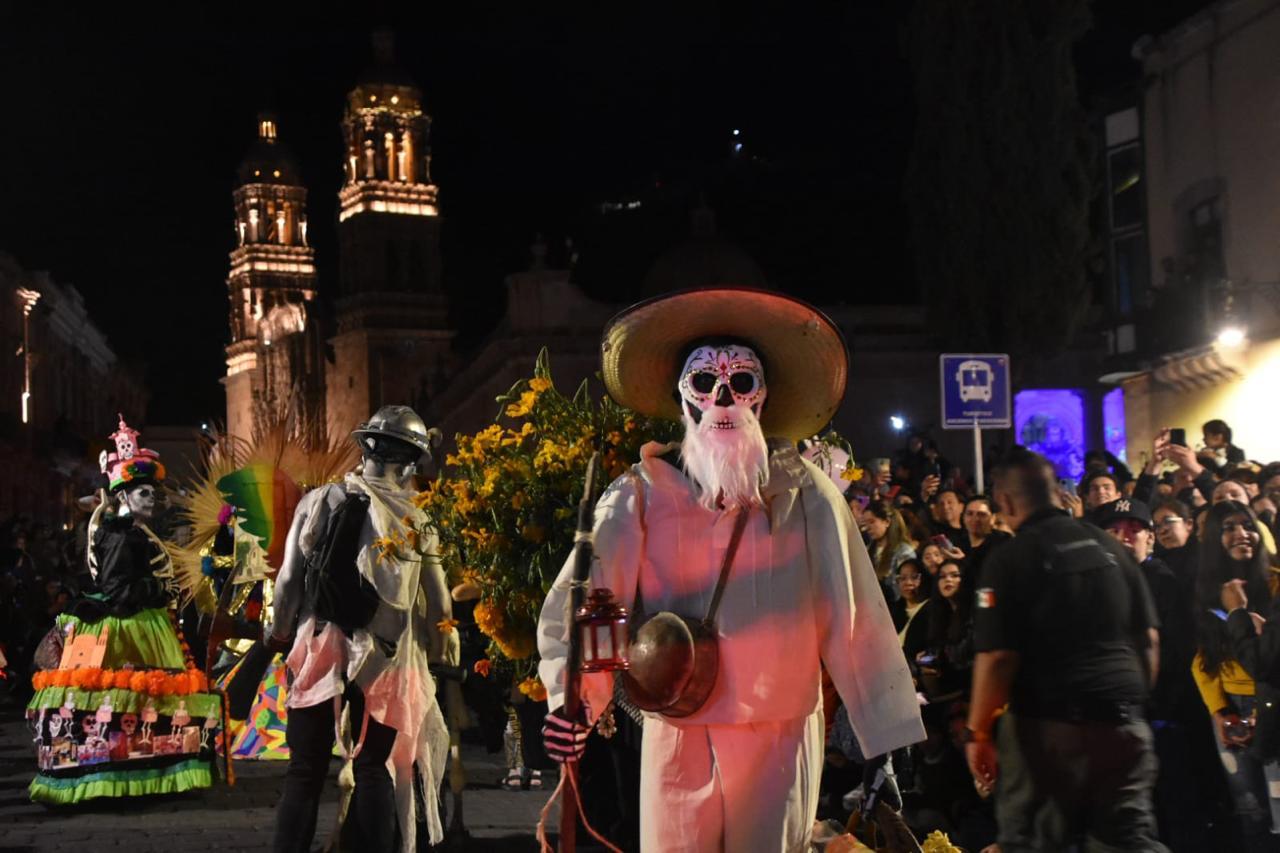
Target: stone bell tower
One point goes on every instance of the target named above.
(275, 367)
(393, 339)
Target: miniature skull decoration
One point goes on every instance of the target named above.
(129, 724)
(210, 723)
(724, 378)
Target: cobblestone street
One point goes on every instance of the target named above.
(238, 817)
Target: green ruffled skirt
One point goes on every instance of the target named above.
(99, 740)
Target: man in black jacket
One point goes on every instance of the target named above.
(1176, 714)
(1066, 636)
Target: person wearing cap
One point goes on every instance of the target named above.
(1066, 636)
(1235, 665)
(1177, 720)
(123, 659)
(380, 670)
(748, 373)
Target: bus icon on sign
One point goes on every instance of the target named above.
(974, 390)
(975, 379)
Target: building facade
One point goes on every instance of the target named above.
(275, 364)
(390, 339)
(392, 342)
(1211, 142)
(61, 389)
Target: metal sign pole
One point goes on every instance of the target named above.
(978, 478)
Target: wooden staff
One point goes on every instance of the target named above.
(583, 550)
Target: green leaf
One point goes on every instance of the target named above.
(582, 397)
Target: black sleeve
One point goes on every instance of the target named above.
(1205, 483)
(898, 610)
(917, 639)
(1145, 487)
(124, 572)
(1144, 606)
(1259, 654)
(1143, 614)
(995, 608)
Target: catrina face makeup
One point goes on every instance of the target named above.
(717, 381)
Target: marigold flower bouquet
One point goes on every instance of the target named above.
(504, 506)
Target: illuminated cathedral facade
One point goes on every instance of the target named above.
(390, 340)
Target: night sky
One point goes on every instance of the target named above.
(120, 144)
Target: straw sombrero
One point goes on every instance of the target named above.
(805, 360)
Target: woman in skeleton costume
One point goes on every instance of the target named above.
(123, 711)
(734, 523)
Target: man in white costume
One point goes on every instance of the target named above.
(381, 669)
(749, 373)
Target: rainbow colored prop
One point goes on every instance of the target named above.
(260, 736)
(264, 498)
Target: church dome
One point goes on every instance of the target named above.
(268, 160)
(704, 260)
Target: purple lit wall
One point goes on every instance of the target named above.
(1050, 421)
(1113, 431)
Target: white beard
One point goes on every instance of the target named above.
(728, 466)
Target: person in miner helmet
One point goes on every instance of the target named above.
(379, 669)
(749, 373)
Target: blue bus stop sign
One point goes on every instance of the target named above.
(975, 391)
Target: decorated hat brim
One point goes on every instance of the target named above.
(805, 359)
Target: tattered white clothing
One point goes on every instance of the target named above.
(801, 592)
(388, 659)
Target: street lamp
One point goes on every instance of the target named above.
(898, 422)
(28, 298)
(1231, 337)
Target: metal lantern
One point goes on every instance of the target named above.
(602, 626)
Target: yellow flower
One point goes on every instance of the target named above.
(851, 473)
(538, 384)
(388, 546)
(447, 626)
(524, 406)
(488, 438)
(489, 618)
(550, 457)
(517, 469)
(532, 687)
(483, 538)
(518, 500)
(490, 483)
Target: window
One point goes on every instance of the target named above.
(1129, 268)
(1124, 182)
(1204, 242)
(1050, 421)
(1113, 424)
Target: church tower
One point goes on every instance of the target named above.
(392, 341)
(275, 366)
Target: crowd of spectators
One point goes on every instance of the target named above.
(41, 570)
(1201, 523)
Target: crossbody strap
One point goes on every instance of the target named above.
(739, 525)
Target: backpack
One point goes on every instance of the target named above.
(335, 589)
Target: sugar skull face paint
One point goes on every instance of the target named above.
(721, 380)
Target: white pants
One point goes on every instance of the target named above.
(744, 788)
